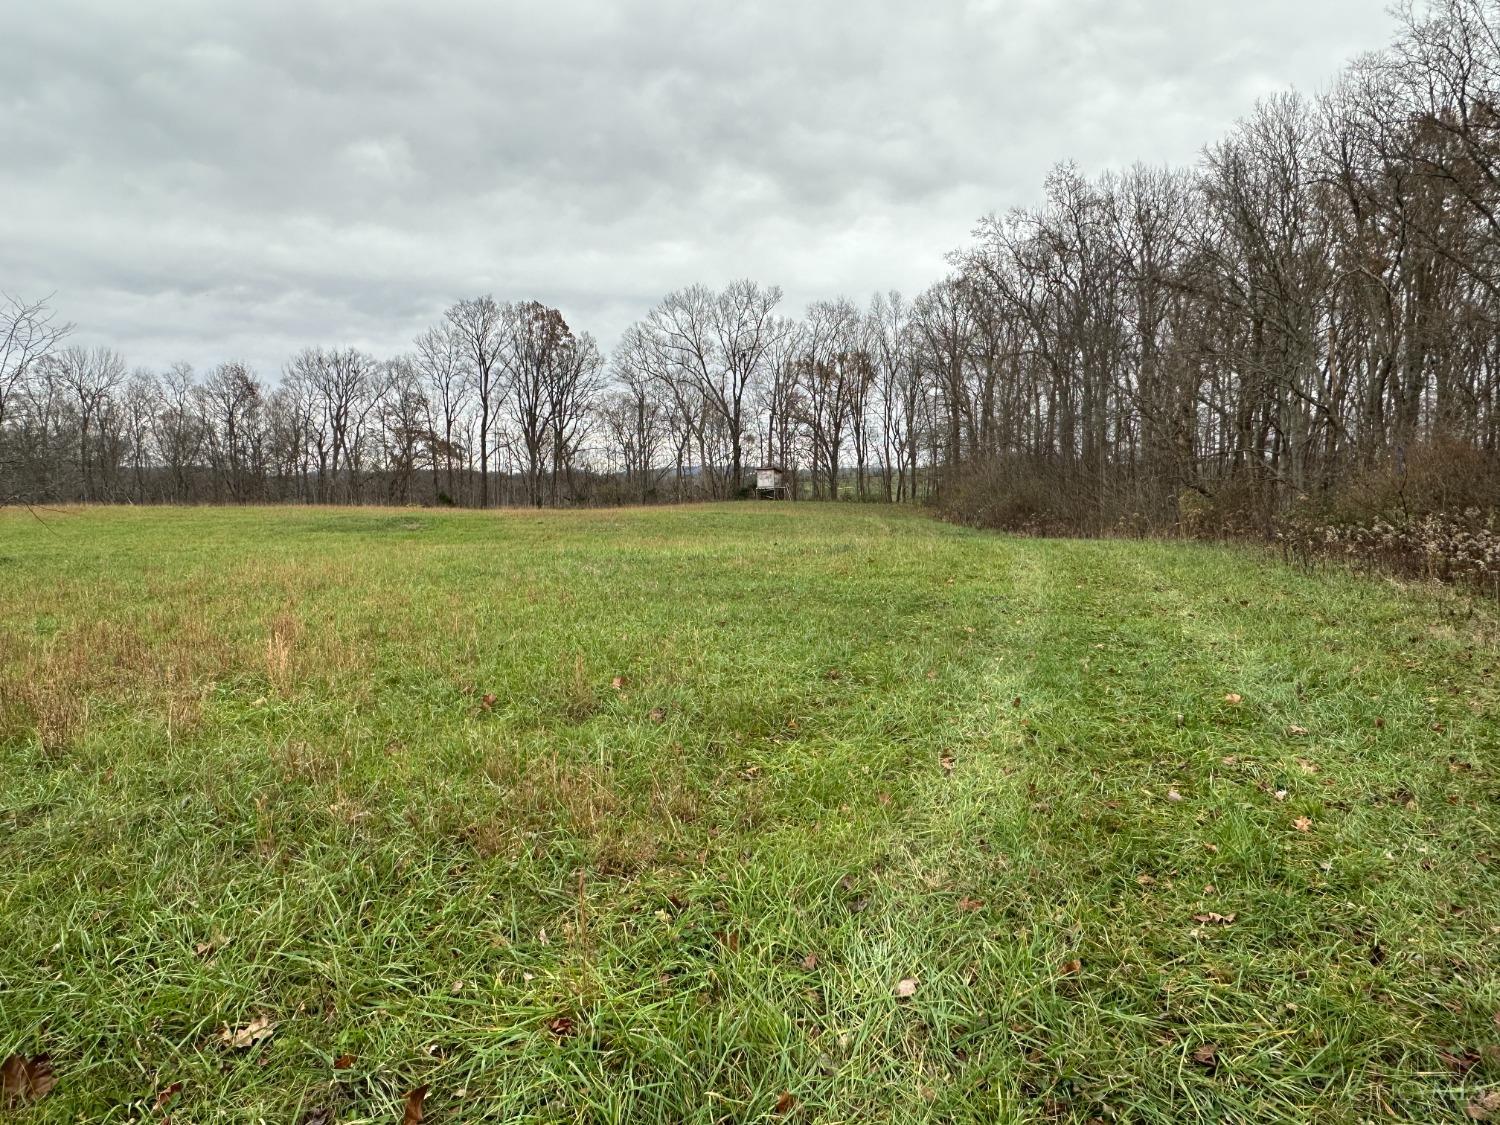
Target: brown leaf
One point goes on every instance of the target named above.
(1302, 824)
(1072, 968)
(1213, 918)
(906, 988)
(810, 962)
(969, 905)
(487, 703)
(784, 1104)
(25, 1079)
(884, 798)
(415, 1102)
(165, 1095)
(658, 714)
(947, 762)
(1173, 795)
(206, 949)
(343, 1062)
(1296, 730)
(562, 1026)
(258, 1029)
(1484, 1107)
(618, 683)
(1460, 1062)
(1144, 880)
(1206, 1055)
(1233, 698)
(729, 939)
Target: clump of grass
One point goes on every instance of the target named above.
(649, 815)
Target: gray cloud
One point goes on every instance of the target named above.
(203, 180)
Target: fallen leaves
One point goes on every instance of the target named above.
(488, 702)
(969, 905)
(1206, 1055)
(785, 1103)
(1173, 795)
(1296, 731)
(25, 1079)
(165, 1095)
(343, 1062)
(206, 949)
(1214, 918)
(415, 1106)
(906, 988)
(1303, 824)
(1072, 968)
(1460, 1062)
(810, 962)
(1234, 698)
(947, 762)
(1485, 1107)
(256, 1031)
(619, 683)
(658, 715)
(563, 1027)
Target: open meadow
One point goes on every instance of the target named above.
(733, 813)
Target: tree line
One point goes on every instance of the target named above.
(1314, 303)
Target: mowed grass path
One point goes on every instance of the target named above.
(646, 816)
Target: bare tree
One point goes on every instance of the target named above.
(479, 329)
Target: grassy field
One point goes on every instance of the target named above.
(735, 813)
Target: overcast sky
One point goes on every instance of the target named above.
(203, 181)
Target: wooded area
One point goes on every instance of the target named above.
(1307, 318)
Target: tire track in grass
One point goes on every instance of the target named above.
(1107, 753)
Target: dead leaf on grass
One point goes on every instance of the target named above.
(343, 1062)
(1233, 698)
(1214, 918)
(1072, 968)
(26, 1079)
(415, 1107)
(1460, 1062)
(256, 1031)
(1303, 824)
(1485, 1107)
(969, 905)
(906, 988)
(165, 1095)
(1206, 1055)
(785, 1103)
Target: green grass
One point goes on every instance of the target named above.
(266, 731)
